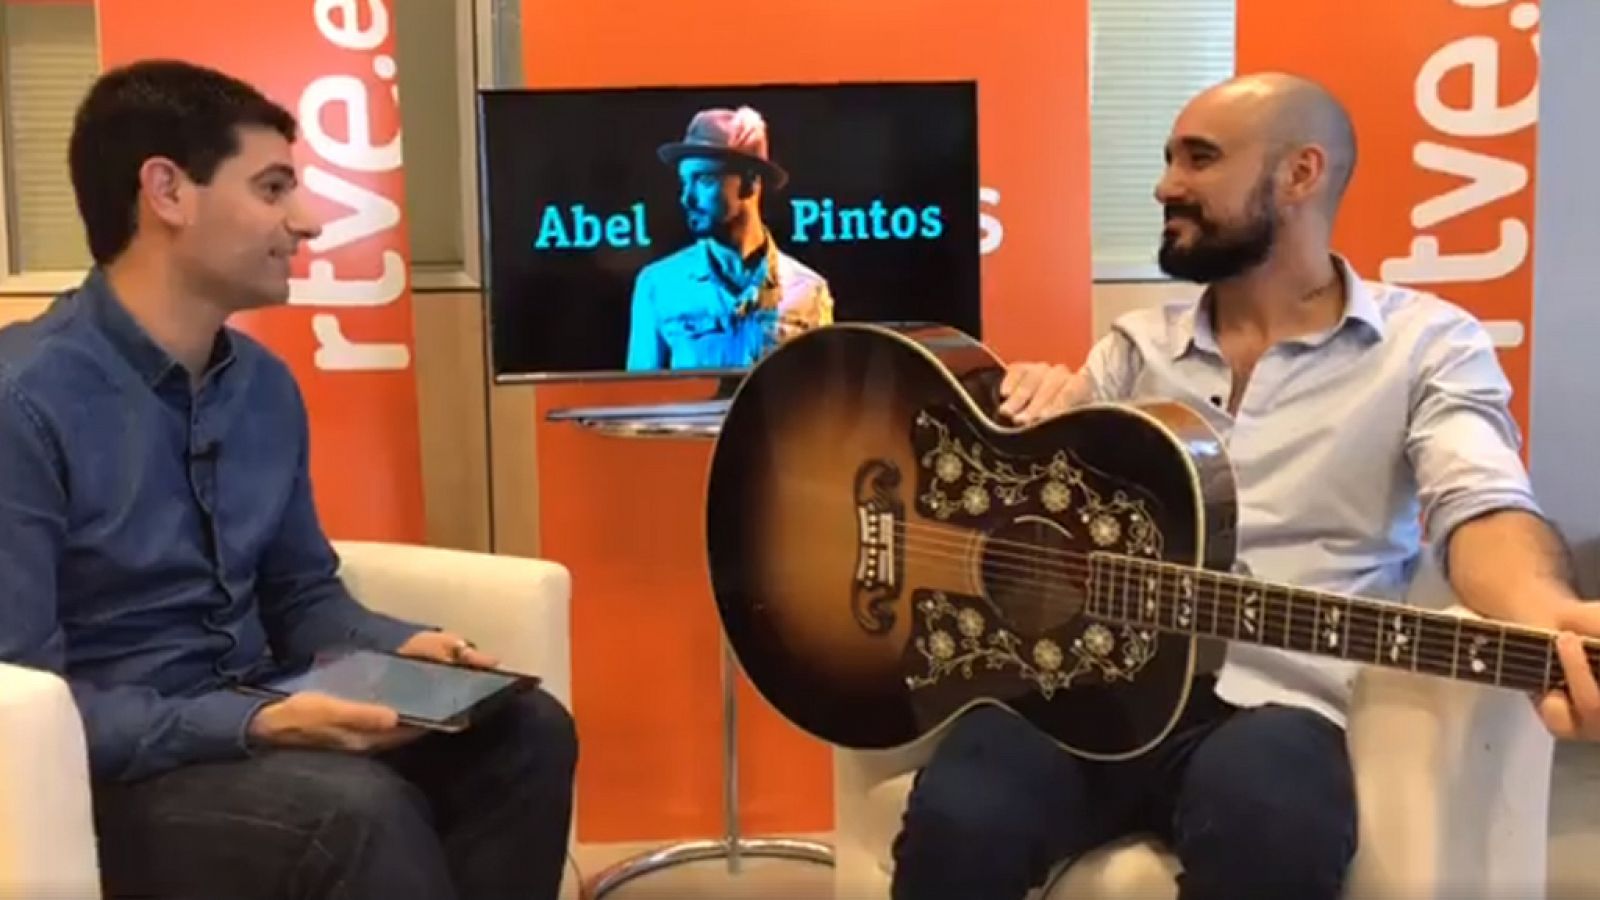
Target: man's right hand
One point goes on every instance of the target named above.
(1033, 392)
(322, 722)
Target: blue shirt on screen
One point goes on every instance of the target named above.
(688, 315)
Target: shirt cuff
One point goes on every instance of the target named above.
(387, 634)
(217, 725)
(1481, 504)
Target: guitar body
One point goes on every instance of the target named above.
(884, 554)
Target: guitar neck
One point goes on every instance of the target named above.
(1204, 603)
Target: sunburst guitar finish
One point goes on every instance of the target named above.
(885, 553)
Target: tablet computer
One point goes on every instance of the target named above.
(432, 695)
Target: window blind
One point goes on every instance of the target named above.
(51, 58)
(431, 116)
(1147, 59)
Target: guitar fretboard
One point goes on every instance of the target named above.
(1178, 598)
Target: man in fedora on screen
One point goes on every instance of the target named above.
(732, 295)
(160, 549)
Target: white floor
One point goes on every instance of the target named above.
(1575, 823)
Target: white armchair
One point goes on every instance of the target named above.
(517, 609)
(1452, 783)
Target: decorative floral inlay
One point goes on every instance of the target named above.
(967, 480)
(1097, 639)
(948, 467)
(975, 500)
(970, 623)
(1104, 530)
(1043, 663)
(1047, 655)
(963, 480)
(1055, 496)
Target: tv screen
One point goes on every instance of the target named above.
(685, 231)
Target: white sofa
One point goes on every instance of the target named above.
(517, 609)
(1452, 783)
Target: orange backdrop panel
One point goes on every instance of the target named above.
(626, 516)
(1445, 101)
(347, 331)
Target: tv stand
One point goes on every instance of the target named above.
(727, 386)
(695, 421)
(683, 419)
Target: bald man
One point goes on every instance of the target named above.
(1349, 408)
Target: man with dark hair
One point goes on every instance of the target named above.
(1351, 410)
(732, 295)
(159, 547)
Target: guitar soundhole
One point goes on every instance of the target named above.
(1032, 576)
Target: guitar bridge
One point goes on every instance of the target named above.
(880, 564)
(876, 565)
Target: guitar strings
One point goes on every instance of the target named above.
(1209, 598)
(1078, 563)
(1037, 574)
(1531, 668)
(964, 540)
(1037, 581)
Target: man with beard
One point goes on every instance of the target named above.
(728, 298)
(1348, 407)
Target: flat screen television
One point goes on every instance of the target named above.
(651, 232)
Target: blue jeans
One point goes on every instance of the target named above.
(1256, 803)
(484, 813)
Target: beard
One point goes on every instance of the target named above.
(1218, 254)
(704, 222)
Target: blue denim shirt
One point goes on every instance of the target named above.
(159, 543)
(686, 315)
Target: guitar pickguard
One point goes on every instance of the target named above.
(1022, 629)
(958, 482)
(954, 636)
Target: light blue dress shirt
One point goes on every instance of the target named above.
(1350, 447)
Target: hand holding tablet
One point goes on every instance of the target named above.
(445, 647)
(318, 721)
(372, 693)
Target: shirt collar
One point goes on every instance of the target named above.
(153, 364)
(1192, 330)
(770, 270)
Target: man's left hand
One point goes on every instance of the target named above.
(1575, 712)
(446, 647)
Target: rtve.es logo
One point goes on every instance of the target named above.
(371, 211)
(1487, 178)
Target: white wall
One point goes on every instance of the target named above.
(1564, 439)
(1564, 431)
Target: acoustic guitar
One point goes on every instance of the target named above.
(884, 554)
